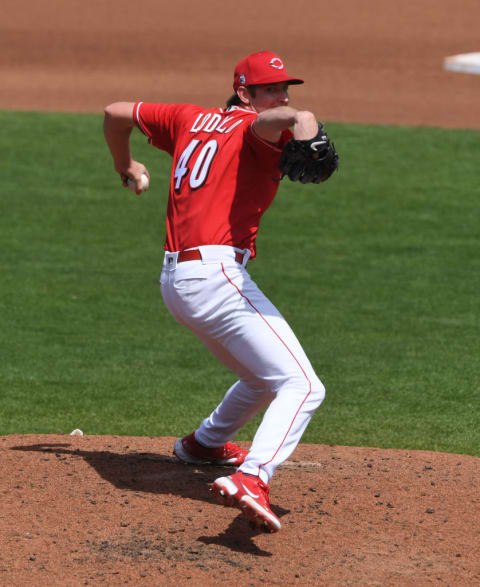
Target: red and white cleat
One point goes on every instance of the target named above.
(250, 494)
(188, 450)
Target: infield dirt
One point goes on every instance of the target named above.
(118, 510)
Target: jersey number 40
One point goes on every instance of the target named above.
(199, 173)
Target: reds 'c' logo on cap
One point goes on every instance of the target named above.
(277, 63)
(260, 68)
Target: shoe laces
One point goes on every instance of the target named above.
(231, 449)
(261, 485)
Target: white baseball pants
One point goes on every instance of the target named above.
(216, 299)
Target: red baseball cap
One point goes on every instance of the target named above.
(264, 67)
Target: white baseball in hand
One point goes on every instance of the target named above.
(145, 184)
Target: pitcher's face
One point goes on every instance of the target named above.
(269, 96)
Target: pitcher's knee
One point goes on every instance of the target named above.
(310, 390)
(317, 392)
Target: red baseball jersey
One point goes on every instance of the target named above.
(224, 177)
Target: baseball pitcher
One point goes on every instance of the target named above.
(226, 167)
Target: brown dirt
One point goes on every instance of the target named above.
(378, 61)
(118, 510)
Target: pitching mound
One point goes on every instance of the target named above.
(121, 510)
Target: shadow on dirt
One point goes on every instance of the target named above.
(161, 474)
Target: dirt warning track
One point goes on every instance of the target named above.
(377, 62)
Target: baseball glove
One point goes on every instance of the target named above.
(311, 161)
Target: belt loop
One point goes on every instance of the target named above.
(171, 261)
(246, 256)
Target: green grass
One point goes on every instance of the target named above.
(377, 271)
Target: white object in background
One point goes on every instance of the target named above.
(76, 432)
(464, 63)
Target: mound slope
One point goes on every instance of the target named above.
(122, 510)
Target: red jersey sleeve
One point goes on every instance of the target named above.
(267, 151)
(160, 122)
